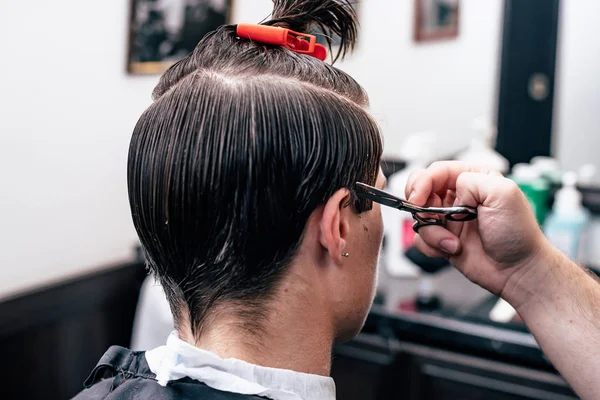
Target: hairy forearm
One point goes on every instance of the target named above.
(561, 307)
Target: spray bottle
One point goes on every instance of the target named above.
(481, 150)
(566, 224)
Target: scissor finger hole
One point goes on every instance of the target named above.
(458, 217)
(428, 219)
(461, 217)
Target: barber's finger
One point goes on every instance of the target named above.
(473, 189)
(428, 250)
(449, 198)
(450, 201)
(411, 181)
(434, 201)
(441, 175)
(440, 239)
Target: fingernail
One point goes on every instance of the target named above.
(412, 194)
(449, 246)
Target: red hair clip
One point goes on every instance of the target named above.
(302, 43)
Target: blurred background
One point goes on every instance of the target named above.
(512, 83)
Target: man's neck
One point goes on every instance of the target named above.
(295, 334)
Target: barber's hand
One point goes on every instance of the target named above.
(498, 248)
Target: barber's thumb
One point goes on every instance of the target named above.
(473, 188)
(438, 238)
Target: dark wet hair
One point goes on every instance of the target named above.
(242, 143)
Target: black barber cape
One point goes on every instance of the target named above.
(124, 374)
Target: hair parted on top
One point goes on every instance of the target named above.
(242, 143)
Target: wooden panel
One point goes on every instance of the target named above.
(51, 339)
(372, 368)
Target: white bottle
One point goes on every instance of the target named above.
(548, 168)
(481, 150)
(588, 180)
(502, 312)
(418, 150)
(566, 225)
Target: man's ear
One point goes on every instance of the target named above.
(334, 225)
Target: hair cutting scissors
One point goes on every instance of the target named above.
(457, 213)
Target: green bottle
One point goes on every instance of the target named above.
(535, 188)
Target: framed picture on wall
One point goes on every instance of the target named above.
(162, 32)
(436, 20)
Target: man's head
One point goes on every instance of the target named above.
(244, 165)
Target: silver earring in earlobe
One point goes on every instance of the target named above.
(345, 255)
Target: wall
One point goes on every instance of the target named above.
(577, 102)
(440, 86)
(68, 109)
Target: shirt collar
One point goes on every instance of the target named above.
(179, 359)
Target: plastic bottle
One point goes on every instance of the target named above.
(535, 188)
(502, 312)
(548, 168)
(481, 150)
(588, 182)
(418, 150)
(566, 224)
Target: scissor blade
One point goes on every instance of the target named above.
(379, 196)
